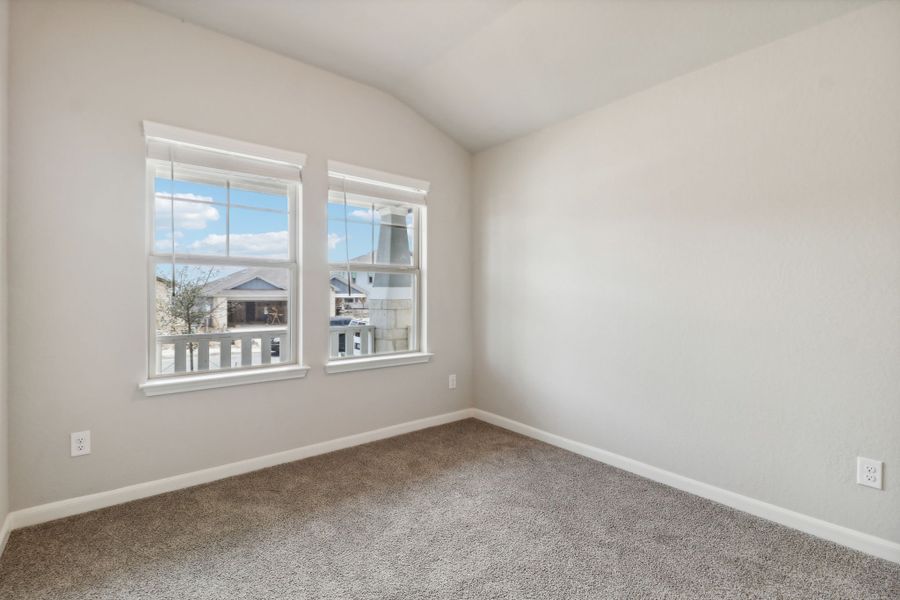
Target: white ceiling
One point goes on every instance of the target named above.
(486, 71)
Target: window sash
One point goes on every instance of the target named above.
(416, 343)
(292, 326)
(417, 340)
(388, 268)
(418, 216)
(293, 200)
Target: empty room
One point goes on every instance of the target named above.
(449, 299)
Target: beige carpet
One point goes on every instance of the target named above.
(460, 511)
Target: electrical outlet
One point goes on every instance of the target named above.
(81, 443)
(868, 472)
(452, 383)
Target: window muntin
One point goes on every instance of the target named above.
(223, 266)
(374, 249)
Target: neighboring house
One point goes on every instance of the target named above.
(344, 299)
(255, 296)
(363, 280)
(163, 291)
(258, 296)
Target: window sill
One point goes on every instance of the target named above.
(377, 362)
(190, 383)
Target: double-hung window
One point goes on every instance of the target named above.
(223, 260)
(375, 254)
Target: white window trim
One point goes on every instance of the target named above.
(208, 381)
(412, 192)
(218, 143)
(346, 365)
(364, 175)
(154, 384)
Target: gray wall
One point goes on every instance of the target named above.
(4, 426)
(704, 276)
(83, 76)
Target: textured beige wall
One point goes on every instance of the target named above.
(83, 76)
(706, 276)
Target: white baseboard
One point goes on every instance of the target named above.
(845, 536)
(5, 529)
(842, 535)
(73, 506)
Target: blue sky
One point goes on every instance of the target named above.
(359, 236)
(200, 220)
(200, 223)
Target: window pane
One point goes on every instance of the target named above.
(202, 223)
(371, 313)
(258, 233)
(189, 211)
(212, 317)
(260, 194)
(351, 240)
(394, 245)
(191, 183)
(199, 228)
(356, 211)
(162, 224)
(376, 233)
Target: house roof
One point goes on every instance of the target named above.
(263, 281)
(251, 279)
(339, 286)
(367, 258)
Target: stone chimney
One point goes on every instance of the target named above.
(391, 299)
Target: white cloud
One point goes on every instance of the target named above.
(188, 215)
(164, 241)
(333, 240)
(271, 244)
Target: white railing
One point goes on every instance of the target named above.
(356, 340)
(214, 351)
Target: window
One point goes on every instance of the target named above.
(375, 249)
(223, 255)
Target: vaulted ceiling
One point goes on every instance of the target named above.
(486, 71)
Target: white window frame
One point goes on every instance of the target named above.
(398, 189)
(155, 383)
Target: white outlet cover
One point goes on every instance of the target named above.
(452, 383)
(868, 472)
(81, 443)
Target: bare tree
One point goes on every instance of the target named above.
(186, 309)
